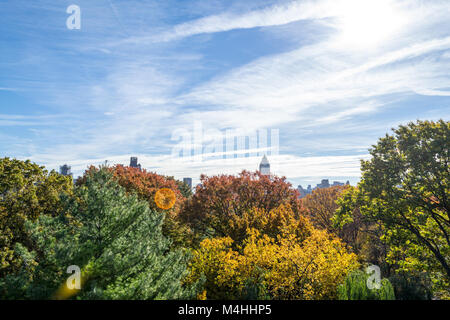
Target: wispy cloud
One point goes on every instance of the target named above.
(273, 15)
(125, 82)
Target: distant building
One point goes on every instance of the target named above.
(188, 181)
(325, 183)
(65, 170)
(134, 163)
(303, 193)
(264, 166)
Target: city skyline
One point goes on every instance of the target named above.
(192, 182)
(327, 78)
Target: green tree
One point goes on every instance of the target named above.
(145, 184)
(364, 235)
(411, 286)
(114, 238)
(26, 192)
(355, 288)
(405, 186)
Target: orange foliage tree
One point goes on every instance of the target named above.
(145, 184)
(225, 199)
(321, 205)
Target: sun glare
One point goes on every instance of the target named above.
(368, 23)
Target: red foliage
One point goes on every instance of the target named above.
(220, 197)
(144, 184)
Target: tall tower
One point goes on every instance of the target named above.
(264, 166)
(134, 163)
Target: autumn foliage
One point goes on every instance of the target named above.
(257, 242)
(300, 262)
(144, 184)
(224, 200)
(321, 205)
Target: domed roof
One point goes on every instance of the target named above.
(264, 160)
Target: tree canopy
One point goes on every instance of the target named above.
(297, 262)
(27, 191)
(405, 186)
(135, 234)
(222, 198)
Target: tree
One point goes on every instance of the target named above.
(185, 190)
(270, 223)
(300, 262)
(411, 286)
(114, 238)
(145, 185)
(321, 205)
(364, 236)
(27, 191)
(355, 288)
(405, 186)
(220, 198)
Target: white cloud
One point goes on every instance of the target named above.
(269, 16)
(286, 87)
(142, 94)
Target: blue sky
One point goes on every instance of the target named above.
(331, 76)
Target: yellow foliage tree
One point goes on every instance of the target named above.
(300, 262)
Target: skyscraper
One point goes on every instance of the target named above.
(264, 166)
(134, 163)
(188, 181)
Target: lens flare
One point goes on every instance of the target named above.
(165, 198)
